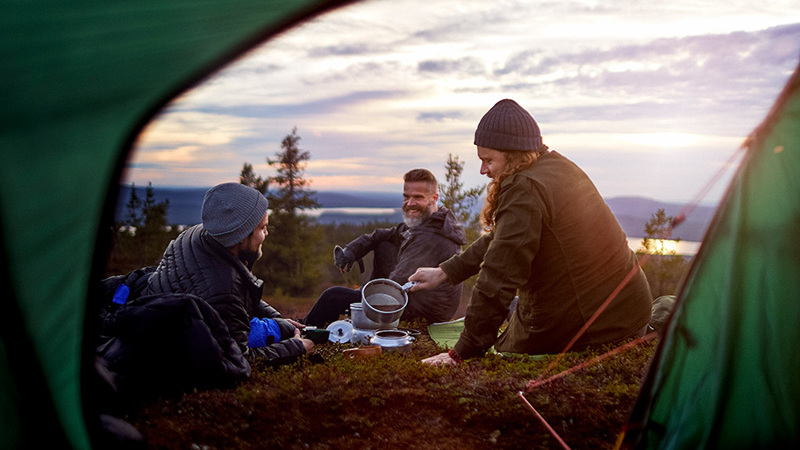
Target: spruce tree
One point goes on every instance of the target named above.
(460, 201)
(288, 265)
(664, 268)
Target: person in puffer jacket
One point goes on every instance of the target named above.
(213, 260)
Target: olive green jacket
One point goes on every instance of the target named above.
(559, 247)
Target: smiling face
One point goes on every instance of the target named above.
(419, 202)
(492, 161)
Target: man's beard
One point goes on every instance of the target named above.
(249, 258)
(412, 222)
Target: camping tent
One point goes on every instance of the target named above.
(727, 373)
(79, 80)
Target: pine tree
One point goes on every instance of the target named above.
(248, 177)
(460, 201)
(143, 243)
(664, 268)
(134, 215)
(153, 212)
(292, 193)
(288, 265)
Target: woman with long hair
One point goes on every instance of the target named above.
(550, 239)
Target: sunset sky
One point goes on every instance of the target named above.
(650, 98)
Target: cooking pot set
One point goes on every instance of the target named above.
(374, 320)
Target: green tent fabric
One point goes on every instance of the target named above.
(78, 81)
(727, 374)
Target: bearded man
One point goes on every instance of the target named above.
(214, 261)
(428, 235)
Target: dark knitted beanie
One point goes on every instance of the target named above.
(508, 127)
(231, 211)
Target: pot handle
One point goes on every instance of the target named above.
(408, 285)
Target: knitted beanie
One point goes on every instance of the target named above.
(508, 127)
(231, 211)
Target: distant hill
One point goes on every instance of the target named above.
(634, 212)
(185, 204)
(359, 199)
(631, 212)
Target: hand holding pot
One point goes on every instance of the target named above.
(427, 278)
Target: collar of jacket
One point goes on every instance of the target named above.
(226, 255)
(442, 222)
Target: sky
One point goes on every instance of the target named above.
(649, 98)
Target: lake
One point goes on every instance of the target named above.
(684, 248)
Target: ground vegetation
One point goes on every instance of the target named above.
(330, 401)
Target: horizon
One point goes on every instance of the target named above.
(632, 212)
(398, 192)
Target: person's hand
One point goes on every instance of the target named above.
(296, 324)
(309, 345)
(343, 259)
(427, 278)
(442, 359)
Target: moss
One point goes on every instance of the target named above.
(394, 400)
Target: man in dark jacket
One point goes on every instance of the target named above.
(213, 261)
(428, 235)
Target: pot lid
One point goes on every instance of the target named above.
(340, 331)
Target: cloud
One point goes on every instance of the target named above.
(380, 87)
(346, 50)
(438, 116)
(454, 67)
(662, 79)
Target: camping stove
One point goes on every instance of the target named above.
(363, 327)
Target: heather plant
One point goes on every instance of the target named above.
(394, 401)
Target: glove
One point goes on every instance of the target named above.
(343, 258)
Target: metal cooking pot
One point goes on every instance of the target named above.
(362, 322)
(392, 340)
(361, 337)
(384, 300)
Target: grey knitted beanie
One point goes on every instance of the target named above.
(508, 127)
(231, 211)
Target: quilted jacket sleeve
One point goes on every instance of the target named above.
(286, 351)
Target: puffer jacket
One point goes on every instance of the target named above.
(195, 263)
(558, 245)
(200, 353)
(432, 242)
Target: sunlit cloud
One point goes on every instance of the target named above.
(363, 181)
(383, 86)
(344, 165)
(185, 127)
(180, 155)
(664, 139)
